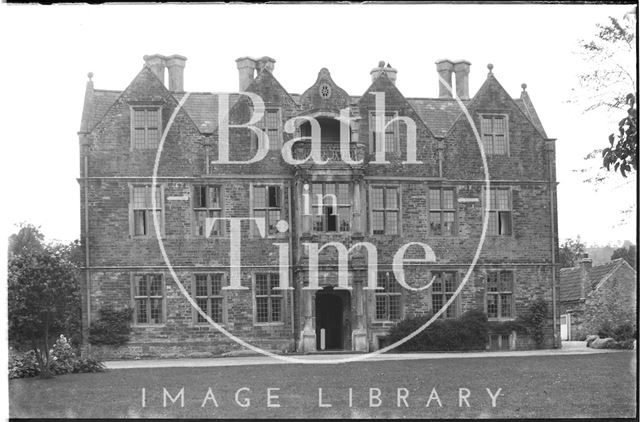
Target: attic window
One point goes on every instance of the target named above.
(325, 91)
(270, 124)
(494, 134)
(146, 123)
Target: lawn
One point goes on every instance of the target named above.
(597, 385)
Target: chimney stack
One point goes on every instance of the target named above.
(156, 63)
(176, 64)
(391, 72)
(585, 262)
(444, 68)
(246, 70)
(461, 68)
(265, 62)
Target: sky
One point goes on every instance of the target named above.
(48, 51)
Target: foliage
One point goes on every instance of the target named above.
(28, 238)
(23, 365)
(623, 152)
(72, 252)
(469, 332)
(622, 344)
(621, 332)
(42, 294)
(628, 254)
(608, 82)
(64, 360)
(570, 252)
(112, 327)
(536, 320)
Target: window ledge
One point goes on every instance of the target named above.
(267, 324)
(162, 325)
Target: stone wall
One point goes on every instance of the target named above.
(454, 162)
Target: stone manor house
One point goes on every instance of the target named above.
(437, 198)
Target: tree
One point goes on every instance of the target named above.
(28, 238)
(623, 152)
(42, 285)
(628, 254)
(609, 83)
(72, 252)
(570, 252)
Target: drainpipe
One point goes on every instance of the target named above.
(550, 149)
(294, 332)
(86, 235)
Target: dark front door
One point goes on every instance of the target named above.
(329, 318)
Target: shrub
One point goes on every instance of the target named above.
(623, 344)
(469, 332)
(23, 365)
(86, 365)
(535, 320)
(112, 327)
(63, 361)
(621, 332)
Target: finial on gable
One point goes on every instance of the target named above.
(490, 67)
(391, 72)
(90, 75)
(524, 87)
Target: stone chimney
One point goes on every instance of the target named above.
(156, 63)
(461, 69)
(391, 72)
(585, 263)
(246, 71)
(444, 68)
(265, 62)
(176, 64)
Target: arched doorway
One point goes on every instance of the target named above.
(332, 315)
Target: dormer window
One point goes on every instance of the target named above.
(494, 134)
(146, 124)
(270, 125)
(390, 133)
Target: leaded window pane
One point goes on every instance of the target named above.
(377, 198)
(259, 197)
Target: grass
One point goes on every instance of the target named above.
(597, 385)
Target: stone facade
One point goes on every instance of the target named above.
(591, 297)
(387, 205)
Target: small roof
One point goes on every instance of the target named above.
(569, 287)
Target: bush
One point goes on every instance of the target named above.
(619, 333)
(624, 344)
(23, 365)
(63, 361)
(84, 365)
(535, 320)
(469, 332)
(112, 327)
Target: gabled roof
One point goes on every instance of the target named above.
(202, 107)
(571, 279)
(438, 114)
(102, 100)
(525, 104)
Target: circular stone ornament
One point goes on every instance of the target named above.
(325, 91)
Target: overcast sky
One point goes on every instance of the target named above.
(47, 52)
